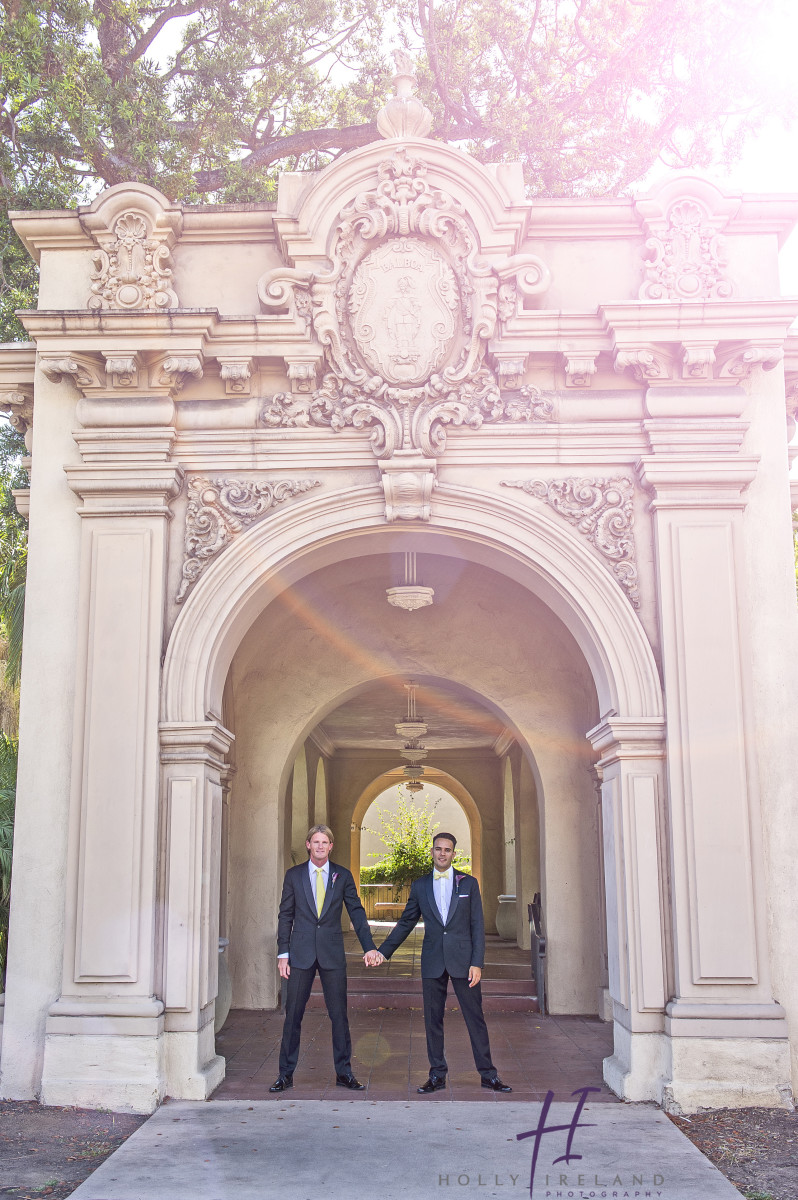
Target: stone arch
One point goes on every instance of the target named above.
(521, 541)
(443, 779)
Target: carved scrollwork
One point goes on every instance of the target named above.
(412, 421)
(218, 509)
(601, 510)
(402, 249)
(134, 270)
(18, 405)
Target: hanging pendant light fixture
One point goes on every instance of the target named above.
(410, 595)
(411, 730)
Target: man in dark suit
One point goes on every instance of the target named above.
(453, 948)
(310, 939)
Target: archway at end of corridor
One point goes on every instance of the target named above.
(431, 808)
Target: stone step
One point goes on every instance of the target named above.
(406, 983)
(498, 995)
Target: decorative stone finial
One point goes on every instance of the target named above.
(404, 115)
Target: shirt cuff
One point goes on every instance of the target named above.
(283, 955)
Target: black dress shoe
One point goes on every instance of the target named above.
(349, 1081)
(433, 1084)
(281, 1083)
(495, 1084)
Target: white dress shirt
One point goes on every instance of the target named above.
(443, 891)
(325, 874)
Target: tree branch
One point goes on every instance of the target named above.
(293, 145)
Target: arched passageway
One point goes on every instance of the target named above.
(529, 630)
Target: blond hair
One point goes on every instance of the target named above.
(325, 829)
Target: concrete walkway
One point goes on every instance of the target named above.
(394, 1150)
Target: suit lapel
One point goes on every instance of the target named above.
(311, 899)
(433, 904)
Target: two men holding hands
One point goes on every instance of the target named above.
(309, 938)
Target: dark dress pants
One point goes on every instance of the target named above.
(299, 984)
(470, 1001)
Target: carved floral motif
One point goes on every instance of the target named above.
(601, 510)
(687, 259)
(218, 509)
(403, 247)
(133, 271)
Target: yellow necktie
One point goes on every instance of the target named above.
(320, 890)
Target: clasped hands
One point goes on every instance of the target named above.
(373, 958)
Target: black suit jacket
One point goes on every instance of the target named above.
(453, 947)
(309, 938)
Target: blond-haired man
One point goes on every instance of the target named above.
(310, 939)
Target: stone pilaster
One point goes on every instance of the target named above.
(635, 869)
(192, 758)
(110, 979)
(727, 1036)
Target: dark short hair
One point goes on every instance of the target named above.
(449, 836)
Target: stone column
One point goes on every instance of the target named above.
(635, 871)
(192, 757)
(104, 1034)
(727, 1036)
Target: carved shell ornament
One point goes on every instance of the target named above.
(133, 271)
(404, 315)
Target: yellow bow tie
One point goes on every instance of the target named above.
(441, 874)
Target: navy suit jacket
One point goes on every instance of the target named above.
(453, 947)
(309, 938)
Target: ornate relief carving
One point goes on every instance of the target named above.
(18, 405)
(580, 369)
(302, 373)
(601, 509)
(133, 271)
(400, 249)
(236, 374)
(698, 360)
(404, 115)
(122, 370)
(177, 368)
(507, 301)
(687, 258)
(57, 366)
(471, 407)
(218, 509)
(644, 363)
(408, 480)
(739, 361)
(510, 368)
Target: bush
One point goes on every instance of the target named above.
(407, 834)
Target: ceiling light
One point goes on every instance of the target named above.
(410, 595)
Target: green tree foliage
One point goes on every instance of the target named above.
(8, 788)
(407, 834)
(206, 99)
(13, 555)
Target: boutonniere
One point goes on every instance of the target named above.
(335, 876)
(458, 879)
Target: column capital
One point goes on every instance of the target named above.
(195, 741)
(125, 489)
(628, 737)
(617, 738)
(692, 482)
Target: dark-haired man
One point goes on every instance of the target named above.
(453, 948)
